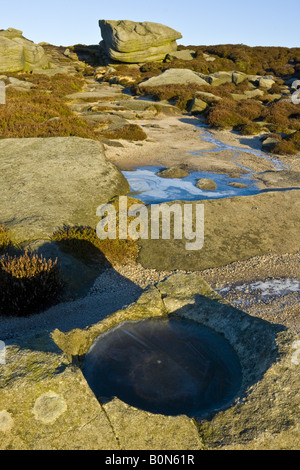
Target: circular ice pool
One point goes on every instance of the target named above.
(165, 366)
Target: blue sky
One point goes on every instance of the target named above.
(66, 22)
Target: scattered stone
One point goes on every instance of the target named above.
(70, 54)
(295, 85)
(131, 42)
(236, 228)
(6, 421)
(112, 143)
(206, 184)
(16, 83)
(279, 179)
(49, 182)
(174, 77)
(219, 78)
(186, 54)
(269, 143)
(207, 97)
(239, 96)
(266, 83)
(209, 58)
(49, 407)
(198, 106)
(238, 77)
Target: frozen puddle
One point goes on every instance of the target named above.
(150, 188)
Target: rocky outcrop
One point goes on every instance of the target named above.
(131, 42)
(48, 182)
(173, 172)
(18, 54)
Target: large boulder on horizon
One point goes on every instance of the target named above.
(18, 54)
(134, 42)
(48, 182)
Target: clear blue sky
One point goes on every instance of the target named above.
(69, 22)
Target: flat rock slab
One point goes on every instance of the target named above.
(235, 229)
(46, 403)
(48, 182)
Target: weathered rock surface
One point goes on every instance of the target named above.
(18, 54)
(46, 403)
(132, 42)
(269, 143)
(49, 182)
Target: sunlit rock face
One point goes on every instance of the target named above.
(18, 54)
